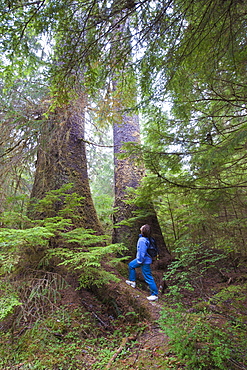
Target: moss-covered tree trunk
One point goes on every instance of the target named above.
(128, 175)
(62, 160)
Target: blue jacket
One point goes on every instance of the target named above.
(142, 256)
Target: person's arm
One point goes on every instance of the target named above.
(141, 250)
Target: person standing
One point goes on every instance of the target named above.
(143, 260)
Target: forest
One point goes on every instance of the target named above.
(115, 114)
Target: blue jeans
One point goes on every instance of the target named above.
(146, 272)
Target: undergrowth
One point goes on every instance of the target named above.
(52, 239)
(200, 343)
(210, 331)
(206, 329)
(66, 339)
(37, 331)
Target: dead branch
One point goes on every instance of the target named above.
(119, 350)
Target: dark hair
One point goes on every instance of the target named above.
(146, 231)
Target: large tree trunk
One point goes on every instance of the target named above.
(126, 174)
(62, 160)
(129, 175)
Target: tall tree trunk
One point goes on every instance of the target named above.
(62, 160)
(129, 175)
(126, 173)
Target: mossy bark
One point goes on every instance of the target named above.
(128, 175)
(62, 160)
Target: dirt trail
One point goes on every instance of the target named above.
(149, 350)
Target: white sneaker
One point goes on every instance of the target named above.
(152, 298)
(131, 283)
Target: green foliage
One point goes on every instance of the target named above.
(9, 299)
(89, 261)
(66, 339)
(50, 203)
(15, 243)
(19, 245)
(104, 207)
(54, 342)
(210, 333)
(189, 267)
(230, 302)
(197, 342)
(205, 341)
(7, 305)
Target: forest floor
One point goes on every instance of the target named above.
(219, 297)
(116, 327)
(141, 343)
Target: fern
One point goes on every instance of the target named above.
(89, 261)
(84, 236)
(14, 242)
(7, 305)
(8, 299)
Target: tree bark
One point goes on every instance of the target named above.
(128, 175)
(62, 160)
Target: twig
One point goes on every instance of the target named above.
(237, 364)
(94, 314)
(119, 350)
(99, 319)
